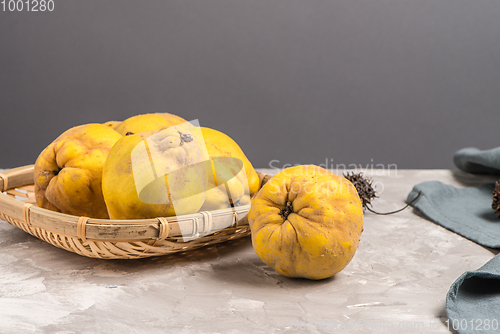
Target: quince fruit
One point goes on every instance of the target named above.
(112, 124)
(148, 122)
(156, 174)
(306, 222)
(68, 172)
(233, 174)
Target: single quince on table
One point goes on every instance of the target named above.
(306, 222)
(68, 172)
(156, 174)
(148, 122)
(227, 160)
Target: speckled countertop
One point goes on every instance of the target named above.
(397, 281)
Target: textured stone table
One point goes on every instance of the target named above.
(397, 281)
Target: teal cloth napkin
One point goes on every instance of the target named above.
(464, 211)
(473, 301)
(473, 160)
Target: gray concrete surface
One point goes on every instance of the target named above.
(397, 280)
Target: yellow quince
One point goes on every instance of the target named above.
(68, 172)
(148, 122)
(112, 124)
(306, 222)
(156, 174)
(233, 178)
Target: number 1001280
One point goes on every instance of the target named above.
(27, 5)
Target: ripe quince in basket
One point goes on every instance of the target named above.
(156, 174)
(68, 172)
(232, 172)
(148, 122)
(306, 222)
(112, 124)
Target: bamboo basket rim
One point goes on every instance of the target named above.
(186, 231)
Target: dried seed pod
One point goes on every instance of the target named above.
(495, 205)
(363, 186)
(366, 192)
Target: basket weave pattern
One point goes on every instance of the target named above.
(112, 239)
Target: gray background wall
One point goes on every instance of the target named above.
(352, 82)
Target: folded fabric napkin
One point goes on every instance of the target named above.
(473, 160)
(473, 302)
(475, 296)
(464, 211)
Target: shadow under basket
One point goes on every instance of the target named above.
(116, 239)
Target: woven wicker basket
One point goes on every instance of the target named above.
(115, 239)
